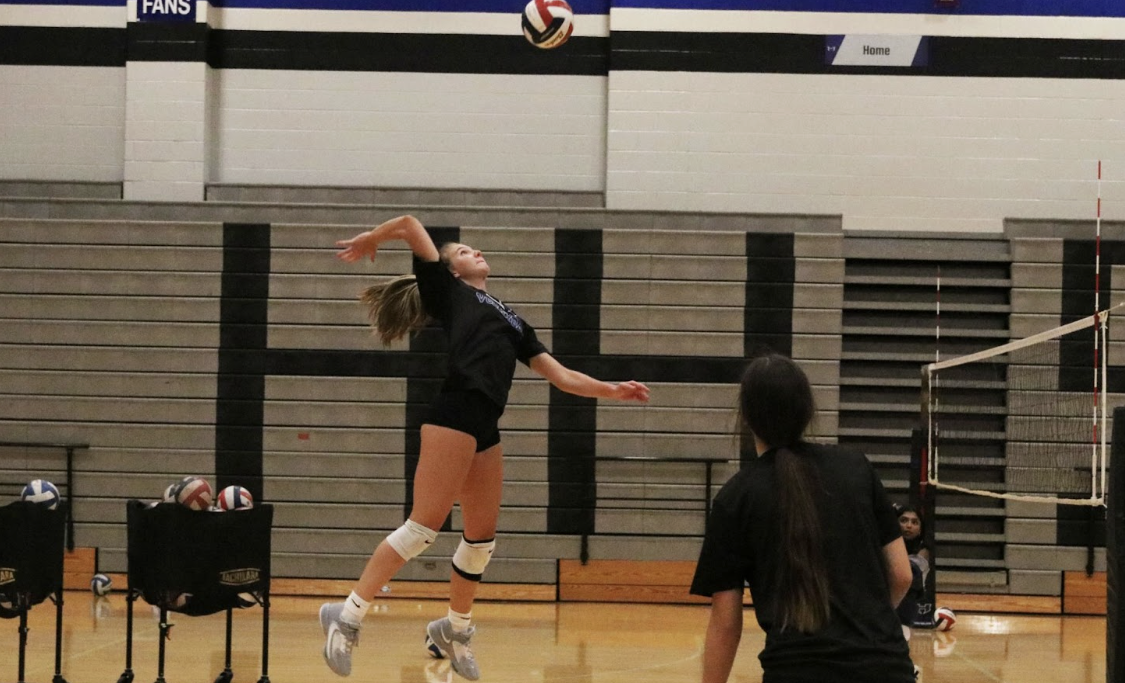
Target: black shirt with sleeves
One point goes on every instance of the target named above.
(863, 640)
(486, 337)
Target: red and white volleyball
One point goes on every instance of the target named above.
(195, 493)
(235, 498)
(547, 23)
(944, 618)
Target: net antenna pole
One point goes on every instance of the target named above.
(1098, 326)
(935, 396)
(1097, 333)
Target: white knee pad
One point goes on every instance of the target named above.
(410, 539)
(472, 557)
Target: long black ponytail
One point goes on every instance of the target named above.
(776, 405)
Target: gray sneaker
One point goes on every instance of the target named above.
(341, 638)
(455, 646)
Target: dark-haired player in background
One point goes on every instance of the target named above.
(810, 529)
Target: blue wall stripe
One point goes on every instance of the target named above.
(489, 6)
(486, 6)
(76, 3)
(1030, 8)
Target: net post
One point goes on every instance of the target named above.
(923, 501)
(926, 418)
(1115, 544)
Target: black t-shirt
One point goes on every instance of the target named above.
(914, 545)
(863, 640)
(486, 338)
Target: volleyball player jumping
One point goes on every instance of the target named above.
(460, 458)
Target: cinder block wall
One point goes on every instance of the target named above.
(665, 108)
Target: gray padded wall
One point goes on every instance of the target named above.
(109, 338)
(112, 335)
(1043, 540)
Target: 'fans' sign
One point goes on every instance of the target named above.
(166, 10)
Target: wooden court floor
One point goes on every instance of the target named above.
(515, 642)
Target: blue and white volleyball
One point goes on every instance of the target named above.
(42, 492)
(100, 585)
(547, 23)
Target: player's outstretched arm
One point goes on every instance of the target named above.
(580, 384)
(407, 228)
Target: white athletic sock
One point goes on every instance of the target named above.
(459, 622)
(355, 608)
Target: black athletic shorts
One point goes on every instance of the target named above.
(471, 412)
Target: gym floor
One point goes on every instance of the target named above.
(515, 642)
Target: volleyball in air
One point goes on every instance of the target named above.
(42, 492)
(547, 23)
(944, 618)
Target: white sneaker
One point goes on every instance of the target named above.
(341, 638)
(455, 646)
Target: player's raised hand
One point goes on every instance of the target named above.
(363, 244)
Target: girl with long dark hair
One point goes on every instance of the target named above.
(913, 537)
(811, 530)
(460, 458)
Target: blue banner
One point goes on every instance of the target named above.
(490, 6)
(74, 3)
(1029, 8)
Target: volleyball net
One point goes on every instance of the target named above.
(1025, 420)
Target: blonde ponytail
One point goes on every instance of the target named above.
(394, 308)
